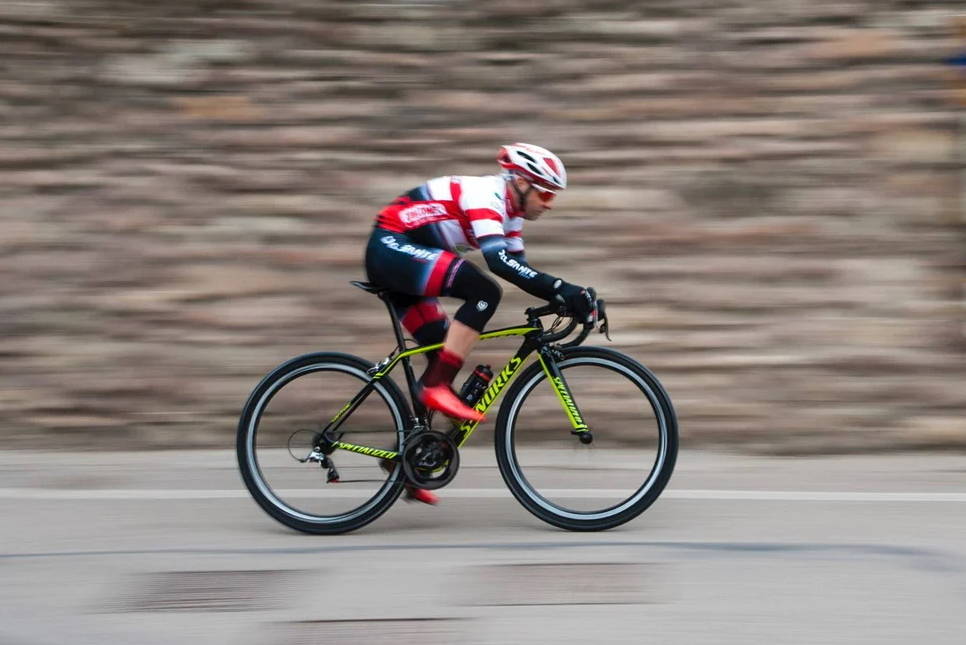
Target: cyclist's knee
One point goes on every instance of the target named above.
(492, 293)
(482, 296)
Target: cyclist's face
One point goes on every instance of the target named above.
(537, 201)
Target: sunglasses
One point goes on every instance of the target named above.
(544, 195)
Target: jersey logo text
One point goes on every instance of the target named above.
(421, 213)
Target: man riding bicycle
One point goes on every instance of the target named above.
(414, 251)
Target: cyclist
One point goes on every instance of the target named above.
(415, 248)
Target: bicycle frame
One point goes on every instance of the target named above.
(532, 341)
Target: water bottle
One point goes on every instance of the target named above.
(476, 384)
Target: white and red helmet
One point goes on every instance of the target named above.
(537, 164)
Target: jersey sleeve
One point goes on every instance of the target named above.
(514, 268)
(514, 235)
(480, 199)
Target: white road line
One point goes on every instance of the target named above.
(484, 493)
(814, 496)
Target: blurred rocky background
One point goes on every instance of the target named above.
(769, 194)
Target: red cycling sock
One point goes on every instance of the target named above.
(443, 370)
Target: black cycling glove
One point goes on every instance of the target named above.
(578, 300)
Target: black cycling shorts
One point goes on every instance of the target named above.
(395, 261)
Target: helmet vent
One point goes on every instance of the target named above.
(535, 163)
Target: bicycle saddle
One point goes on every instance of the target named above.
(368, 287)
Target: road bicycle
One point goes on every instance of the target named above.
(586, 437)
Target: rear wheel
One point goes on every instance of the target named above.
(276, 430)
(597, 485)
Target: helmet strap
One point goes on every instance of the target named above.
(521, 195)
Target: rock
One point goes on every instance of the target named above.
(218, 108)
(910, 146)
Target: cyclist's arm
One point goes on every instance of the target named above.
(519, 256)
(513, 267)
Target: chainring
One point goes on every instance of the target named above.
(430, 459)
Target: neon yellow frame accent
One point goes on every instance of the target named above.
(366, 450)
(566, 401)
(499, 333)
(341, 412)
(500, 381)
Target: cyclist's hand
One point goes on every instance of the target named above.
(582, 302)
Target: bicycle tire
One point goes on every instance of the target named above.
(247, 437)
(508, 440)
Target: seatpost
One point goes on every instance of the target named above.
(401, 344)
(396, 327)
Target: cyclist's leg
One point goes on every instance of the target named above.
(423, 318)
(417, 274)
(482, 296)
(425, 321)
(395, 261)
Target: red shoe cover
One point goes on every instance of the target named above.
(442, 398)
(421, 495)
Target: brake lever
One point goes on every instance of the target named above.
(598, 309)
(603, 325)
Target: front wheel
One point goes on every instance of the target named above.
(587, 486)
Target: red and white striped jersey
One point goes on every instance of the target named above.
(454, 212)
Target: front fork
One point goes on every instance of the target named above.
(548, 361)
